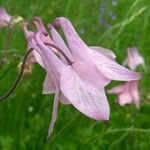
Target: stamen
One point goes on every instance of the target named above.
(18, 78)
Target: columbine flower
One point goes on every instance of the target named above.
(134, 58)
(88, 98)
(127, 93)
(5, 18)
(57, 74)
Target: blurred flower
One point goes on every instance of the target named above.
(5, 18)
(127, 93)
(134, 59)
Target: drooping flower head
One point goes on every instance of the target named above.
(72, 85)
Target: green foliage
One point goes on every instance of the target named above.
(24, 117)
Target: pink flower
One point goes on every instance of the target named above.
(127, 93)
(88, 98)
(77, 90)
(76, 72)
(5, 18)
(134, 59)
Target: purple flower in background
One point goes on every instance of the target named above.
(134, 58)
(5, 18)
(128, 93)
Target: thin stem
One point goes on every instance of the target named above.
(61, 51)
(18, 78)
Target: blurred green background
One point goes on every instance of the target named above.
(24, 117)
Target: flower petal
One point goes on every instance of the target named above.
(86, 98)
(134, 58)
(54, 114)
(108, 53)
(90, 74)
(64, 100)
(38, 58)
(49, 58)
(125, 98)
(35, 56)
(79, 49)
(49, 86)
(114, 71)
(117, 90)
(60, 43)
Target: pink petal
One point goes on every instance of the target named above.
(60, 43)
(114, 71)
(108, 53)
(35, 56)
(134, 58)
(125, 98)
(117, 90)
(38, 58)
(64, 100)
(50, 60)
(83, 96)
(41, 28)
(54, 114)
(49, 86)
(90, 75)
(78, 48)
